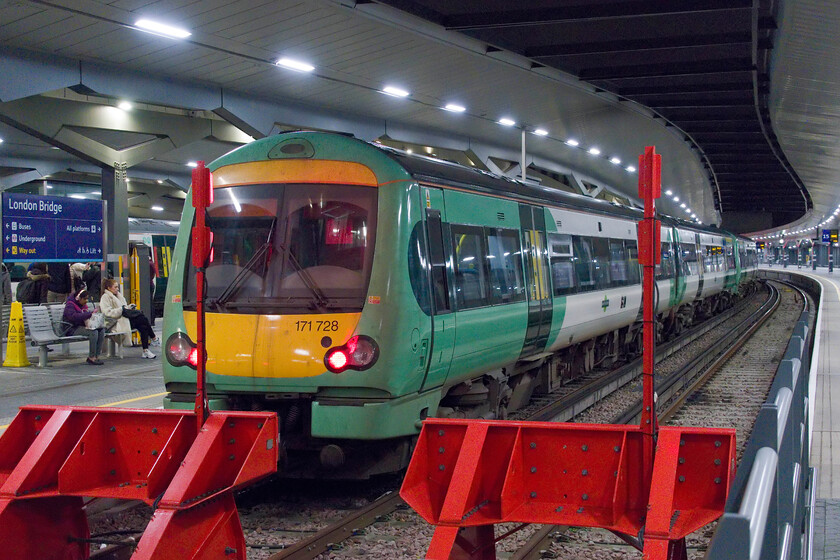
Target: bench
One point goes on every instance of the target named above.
(40, 320)
(113, 349)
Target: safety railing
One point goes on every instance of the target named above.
(768, 511)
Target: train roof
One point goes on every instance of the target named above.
(433, 170)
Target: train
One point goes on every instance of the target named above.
(357, 290)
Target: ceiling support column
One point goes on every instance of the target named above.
(115, 195)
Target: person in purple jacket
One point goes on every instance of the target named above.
(76, 313)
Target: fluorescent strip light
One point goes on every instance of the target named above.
(409, 151)
(681, 205)
(77, 196)
(395, 91)
(504, 121)
(157, 208)
(594, 151)
(541, 132)
(192, 164)
(630, 169)
(669, 192)
(454, 108)
(293, 64)
(572, 142)
(48, 186)
(162, 29)
(160, 181)
(615, 161)
(125, 105)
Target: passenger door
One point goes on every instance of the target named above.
(535, 256)
(440, 283)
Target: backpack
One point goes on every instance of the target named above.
(27, 291)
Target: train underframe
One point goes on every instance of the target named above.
(492, 395)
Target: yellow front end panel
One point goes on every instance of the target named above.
(278, 346)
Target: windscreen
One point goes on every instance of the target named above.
(286, 248)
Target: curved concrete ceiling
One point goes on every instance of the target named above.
(227, 66)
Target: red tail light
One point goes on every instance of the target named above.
(192, 359)
(359, 353)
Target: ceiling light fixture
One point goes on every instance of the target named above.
(572, 142)
(394, 91)
(160, 181)
(293, 64)
(157, 208)
(594, 151)
(77, 196)
(681, 205)
(541, 132)
(504, 121)
(669, 192)
(161, 29)
(615, 161)
(192, 164)
(454, 108)
(630, 169)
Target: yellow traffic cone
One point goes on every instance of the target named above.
(16, 345)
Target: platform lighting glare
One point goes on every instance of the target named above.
(630, 169)
(125, 105)
(192, 164)
(454, 108)
(1, 140)
(615, 161)
(572, 142)
(541, 132)
(504, 121)
(669, 192)
(594, 151)
(157, 208)
(161, 29)
(394, 91)
(235, 201)
(293, 64)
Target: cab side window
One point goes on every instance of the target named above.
(471, 285)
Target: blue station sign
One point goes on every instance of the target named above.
(826, 235)
(51, 228)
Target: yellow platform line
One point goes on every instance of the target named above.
(132, 400)
(3, 427)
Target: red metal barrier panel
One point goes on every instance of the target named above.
(474, 473)
(50, 457)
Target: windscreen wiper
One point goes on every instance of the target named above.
(320, 300)
(233, 287)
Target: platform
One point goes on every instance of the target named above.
(130, 381)
(825, 392)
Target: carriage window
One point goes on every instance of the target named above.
(688, 252)
(633, 269)
(665, 269)
(504, 258)
(714, 258)
(730, 258)
(471, 287)
(619, 268)
(601, 262)
(561, 256)
(584, 268)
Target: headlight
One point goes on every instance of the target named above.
(359, 353)
(181, 351)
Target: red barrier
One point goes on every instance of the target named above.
(472, 474)
(50, 457)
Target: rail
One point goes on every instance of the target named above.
(768, 512)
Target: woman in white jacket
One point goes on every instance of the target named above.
(112, 303)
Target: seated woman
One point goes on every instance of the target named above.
(112, 304)
(76, 313)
